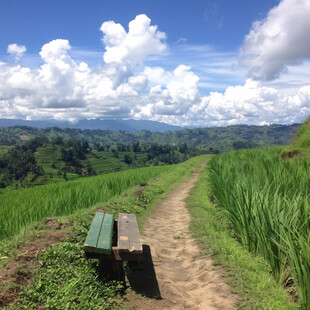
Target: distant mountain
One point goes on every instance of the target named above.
(113, 125)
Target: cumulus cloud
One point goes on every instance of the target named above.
(280, 40)
(133, 47)
(64, 89)
(251, 103)
(16, 50)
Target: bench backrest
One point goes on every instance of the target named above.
(99, 238)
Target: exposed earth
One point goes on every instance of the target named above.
(174, 274)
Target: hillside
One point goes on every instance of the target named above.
(41, 160)
(217, 139)
(300, 147)
(42, 263)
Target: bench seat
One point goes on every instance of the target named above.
(129, 241)
(99, 238)
(111, 239)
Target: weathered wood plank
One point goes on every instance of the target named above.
(104, 245)
(91, 241)
(128, 234)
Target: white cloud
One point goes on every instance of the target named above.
(138, 82)
(133, 47)
(280, 40)
(66, 89)
(16, 50)
(252, 103)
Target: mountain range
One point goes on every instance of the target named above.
(111, 124)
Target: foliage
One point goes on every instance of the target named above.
(213, 140)
(19, 208)
(68, 159)
(300, 148)
(64, 279)
(16, 164)
(249, 276)
(266, 200)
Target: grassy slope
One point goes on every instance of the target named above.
(249, 276)
(21, 207)
(300, 148)
(63, 265)
(81, 288)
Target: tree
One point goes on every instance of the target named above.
(127, 159)
(121, 147)
(136, 147)
(58, 141)
(115, 153)
(90, 170)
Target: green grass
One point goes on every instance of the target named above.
(21, 207)
(248, 275)
(267, 202)
(300, 148)
(65, 279)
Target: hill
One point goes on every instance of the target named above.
(300, 147)
(213, 140)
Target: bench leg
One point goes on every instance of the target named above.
(118, 270)
(112, 269)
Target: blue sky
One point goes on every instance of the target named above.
(222, 24)
(204, 63)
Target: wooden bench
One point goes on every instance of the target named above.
(115, 240)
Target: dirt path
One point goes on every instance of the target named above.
(174, 269)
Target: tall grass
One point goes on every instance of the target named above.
(21, 207)
(267, 202)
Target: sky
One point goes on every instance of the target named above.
(187, 62)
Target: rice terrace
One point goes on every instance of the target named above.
(155, 155)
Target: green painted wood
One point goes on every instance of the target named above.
(91, 241)
(104, 245)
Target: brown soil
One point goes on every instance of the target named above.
(291, 154)
(174, 274)
(19, 271)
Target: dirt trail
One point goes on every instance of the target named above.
(174, 269)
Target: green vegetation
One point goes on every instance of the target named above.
(18, 164)
(21, 207)
(4, 149)
(258, 226)
(212, 140)
(64, 278)
(300, 148)
(266, 200)
(67, 280)
(44, 160)
(248, 275)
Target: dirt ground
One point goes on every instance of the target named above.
(19, 271)
(174, 275)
